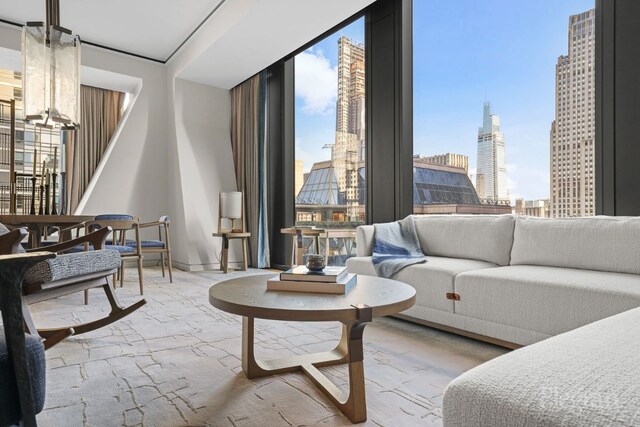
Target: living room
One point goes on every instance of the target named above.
(275, 213)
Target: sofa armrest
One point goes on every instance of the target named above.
(364, 240)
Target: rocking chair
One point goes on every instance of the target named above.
(66, 274)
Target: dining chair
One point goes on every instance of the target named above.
(122, 226)
(161, 246)
(230, 213)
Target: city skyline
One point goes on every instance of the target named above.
(457, 66)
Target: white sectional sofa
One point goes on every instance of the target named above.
(585, 377)
(518, 280)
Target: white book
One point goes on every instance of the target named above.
(303, 274)
(341, 287)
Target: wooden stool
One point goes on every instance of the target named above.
(230, 235)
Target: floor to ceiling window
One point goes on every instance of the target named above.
(504, 107)
(29, 139)
(330, 139)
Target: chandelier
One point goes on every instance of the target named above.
(51, 72)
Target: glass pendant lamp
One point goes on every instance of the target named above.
(51, 72)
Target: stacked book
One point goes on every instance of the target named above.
(331, 280)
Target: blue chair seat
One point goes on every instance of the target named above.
(10, 413)
(119, 248)
(143, 243)
(147, 244)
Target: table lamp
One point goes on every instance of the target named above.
(231, 207)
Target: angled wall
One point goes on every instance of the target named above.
(201, 167)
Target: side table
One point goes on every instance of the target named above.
(230, 235)
(298, 233)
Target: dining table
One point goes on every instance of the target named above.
(36, 224)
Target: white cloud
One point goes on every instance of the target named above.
(316, 82)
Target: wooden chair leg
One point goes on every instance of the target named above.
(293, 251)
(244, 254)
(121, 272)
(86, 297)
(162, 262)
(140, 275)
(48, 340)
(170, 266)
(117, 312)
(115, 279)
(225, 254)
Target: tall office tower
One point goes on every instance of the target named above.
(350, 116)
(349, 148)
(491, 174)
(573, 130)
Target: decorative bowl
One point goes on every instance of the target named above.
(315, 263)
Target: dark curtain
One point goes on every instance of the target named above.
(248, 140)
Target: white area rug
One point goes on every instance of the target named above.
(176, 362)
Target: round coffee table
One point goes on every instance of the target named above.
(370, 297)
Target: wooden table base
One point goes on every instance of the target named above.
(349, 351)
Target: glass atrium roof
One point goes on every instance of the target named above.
(437, 187)
(430, 187)
(321, 188)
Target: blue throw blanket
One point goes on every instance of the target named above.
(396, 246)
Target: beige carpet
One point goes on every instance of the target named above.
(176, 362)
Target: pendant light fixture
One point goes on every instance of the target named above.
(51, 72)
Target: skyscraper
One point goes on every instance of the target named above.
(350, 116)
(349, 148)
(573, 130)
(491, 174)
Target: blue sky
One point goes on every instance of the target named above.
(463, 49)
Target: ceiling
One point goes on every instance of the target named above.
(228, 40)
(257, 33)
(149, 28)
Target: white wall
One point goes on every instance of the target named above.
(133, 177)
(202, 166)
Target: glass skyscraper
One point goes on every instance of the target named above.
(491, 174)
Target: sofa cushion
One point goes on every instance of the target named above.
(549, 300)
(484, 238)
(73, 265)
(597, 243)
(432, 280)
(586, 377)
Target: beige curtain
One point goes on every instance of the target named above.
(249, 151)
(99, 116)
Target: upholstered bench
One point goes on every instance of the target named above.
(585, 377)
